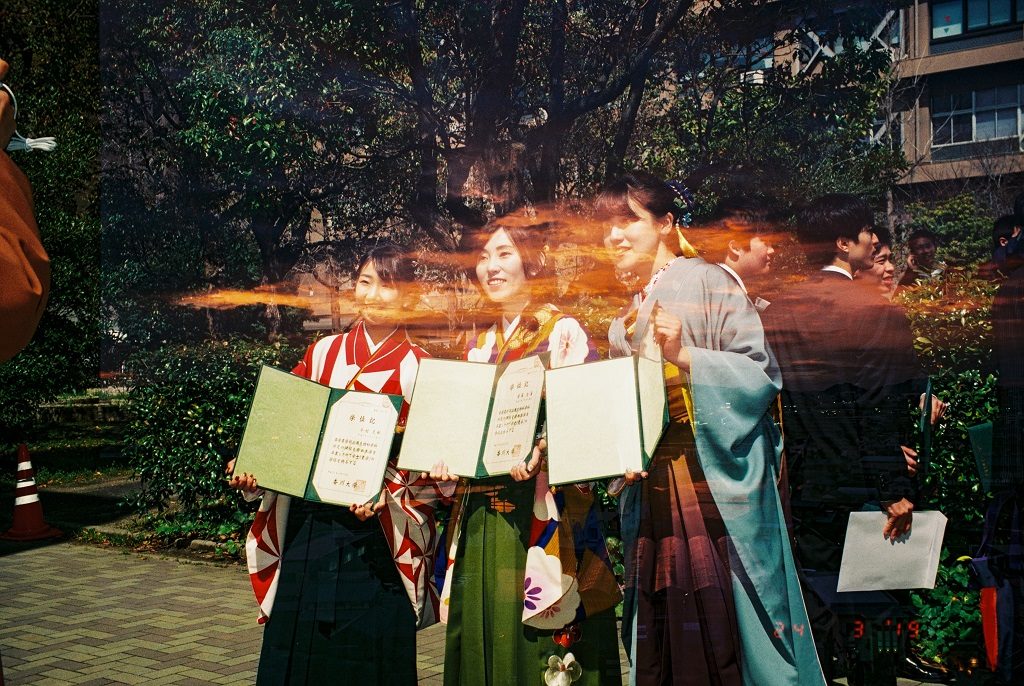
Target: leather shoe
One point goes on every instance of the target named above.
(913, 667)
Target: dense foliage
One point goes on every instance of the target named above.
(951, 320)
(51, 46)
(187, 410)
(231, 123)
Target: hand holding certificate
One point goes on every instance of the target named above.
(315, 442)
(874, 563)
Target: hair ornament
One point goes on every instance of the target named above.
(684, 201)
(684, 216)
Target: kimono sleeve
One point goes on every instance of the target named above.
(24, 265)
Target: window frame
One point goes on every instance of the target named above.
(952, 111)
(1016, 20)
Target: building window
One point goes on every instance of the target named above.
(976, 116)
(954, 17)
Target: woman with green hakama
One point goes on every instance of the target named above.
(530, 593)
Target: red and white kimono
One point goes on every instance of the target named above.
(353, 361)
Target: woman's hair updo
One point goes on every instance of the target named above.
(654, 195)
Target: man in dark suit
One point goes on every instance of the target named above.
(849, 380)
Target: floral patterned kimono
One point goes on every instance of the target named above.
(532, 592)
(712, 595)
(334, 591)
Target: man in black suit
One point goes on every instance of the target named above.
(849, 380)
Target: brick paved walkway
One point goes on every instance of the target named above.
(74, 614)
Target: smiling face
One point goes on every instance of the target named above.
(500, 270)
(883, 269)
(379, 301)
(635, 243)
(923, 250)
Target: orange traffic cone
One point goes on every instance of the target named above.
(28, 511)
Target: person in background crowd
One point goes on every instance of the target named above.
(921, 264)
(1005, 238)
(849, 375)
(743, 235)
(883, 269)
(24, 265)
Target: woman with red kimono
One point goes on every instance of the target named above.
(336, 595)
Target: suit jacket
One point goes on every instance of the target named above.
(849, 376)
(24, 266)
(1008, 350)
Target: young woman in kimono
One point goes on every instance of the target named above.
(711, 591)
(336, 595)
(530, 602)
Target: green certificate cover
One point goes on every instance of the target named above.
(315, 442)
(479, 418)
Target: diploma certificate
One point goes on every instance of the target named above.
(479, 419)
(605, 418)
(315, 442)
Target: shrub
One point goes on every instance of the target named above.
(951, 322)
(187, 409)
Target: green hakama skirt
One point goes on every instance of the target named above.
(487, 643)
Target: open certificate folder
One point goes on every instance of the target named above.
(480, 419)
(315, 442)
(872, 563)
(604, 418)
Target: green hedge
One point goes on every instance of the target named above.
(951, 322)
(187, 408)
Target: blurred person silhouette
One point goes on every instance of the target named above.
(741, 236)
(1005, 238)
(24, 265)
(850, 378)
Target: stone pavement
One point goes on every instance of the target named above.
(77, 614)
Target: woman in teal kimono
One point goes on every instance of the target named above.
(712, 595)
(530, 592)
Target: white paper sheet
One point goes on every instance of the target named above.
(513, 422)
(593, 421)
(447, 416)
(355, 447)
(872, 563)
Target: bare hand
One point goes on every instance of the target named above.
(366, 510)
(632, 477)
(668, 332)
(901, 514)
(528, 470)
(910, 455)
(243, 481)
(439, 472)
(7, 124)
(938, 408)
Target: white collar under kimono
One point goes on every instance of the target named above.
(760, 304)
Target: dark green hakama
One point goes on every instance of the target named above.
(341, 611)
